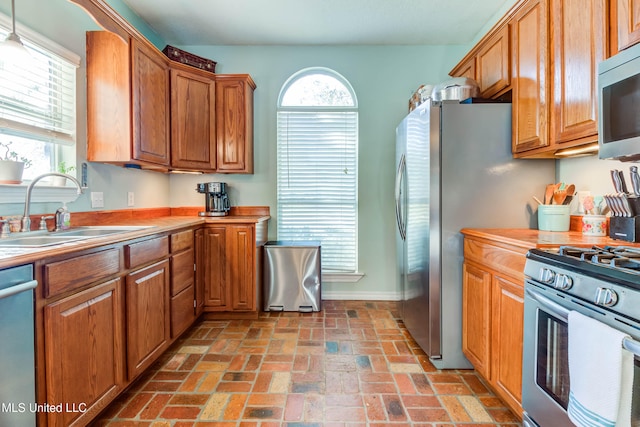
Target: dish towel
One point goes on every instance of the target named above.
(600, 374)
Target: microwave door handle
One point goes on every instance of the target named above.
(562, 313)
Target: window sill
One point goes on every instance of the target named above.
(16, 193)
(342, 277)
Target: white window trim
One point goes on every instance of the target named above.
(330, 276)
(16, 193)
(342, 277)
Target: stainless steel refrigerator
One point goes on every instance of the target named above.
(454, 170)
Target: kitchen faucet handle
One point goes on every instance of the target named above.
(43, 222)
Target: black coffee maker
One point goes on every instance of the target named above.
(216, 198)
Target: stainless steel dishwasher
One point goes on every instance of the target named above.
(17, 358)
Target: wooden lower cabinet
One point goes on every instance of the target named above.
(231, 277)
(476, 318)
(230, 283)
(507, 302)
(148, 316)
(493, 316)
(84, 359)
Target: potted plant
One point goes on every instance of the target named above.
(11, 165)
(62, 168)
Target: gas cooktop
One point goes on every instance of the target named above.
(617, 264)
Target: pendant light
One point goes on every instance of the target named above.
(12, 50)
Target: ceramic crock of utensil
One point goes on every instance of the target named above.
(553, 217)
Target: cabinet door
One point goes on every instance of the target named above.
(150, 104)
(84, 352)
(234, 123)
(192, 121)
(241, 244)
(529, 79)
(492, 64)
(465, 69)
(215, 268)
(579, 42)
(476, 327)
(507, 335)
(628, 16)
(148, 316)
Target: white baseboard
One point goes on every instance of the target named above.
(361, 296)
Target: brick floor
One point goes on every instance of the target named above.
(352, 364)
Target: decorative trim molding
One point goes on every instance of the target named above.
(361, 296)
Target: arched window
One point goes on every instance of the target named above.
(318, 165)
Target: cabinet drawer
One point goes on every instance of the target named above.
(181, 241)
(182, 311)
(76, 272)
(181, 271)
(150, 250)
(506, 261)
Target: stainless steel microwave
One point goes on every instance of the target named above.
(619, 106)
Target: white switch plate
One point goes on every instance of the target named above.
(131, 201)
(97, 199)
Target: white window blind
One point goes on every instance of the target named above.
(317, 180)
(38, 98)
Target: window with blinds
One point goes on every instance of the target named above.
(38, 100)
(318, 166)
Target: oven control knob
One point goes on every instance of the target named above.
(563, 282)
(547, 276)
(606, 297)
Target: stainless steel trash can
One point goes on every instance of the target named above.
(292, 276)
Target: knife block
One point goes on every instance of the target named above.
(625, 228)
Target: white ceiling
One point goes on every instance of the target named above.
(317, 22)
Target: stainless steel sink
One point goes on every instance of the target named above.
(98, 231)
(37, 239)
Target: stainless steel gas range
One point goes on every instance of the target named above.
(602, 283)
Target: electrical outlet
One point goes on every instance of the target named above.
(131, 201)
(97, 199)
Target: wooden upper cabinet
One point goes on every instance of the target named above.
(466, 68)
(150, 100)
(627, 13)
(529, 27)
(127, 102)
(493, 68)
(234, 123)
(193, 143)
(578, 43)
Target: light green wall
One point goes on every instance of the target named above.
(383, 77)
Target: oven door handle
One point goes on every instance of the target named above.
(563, 314)
(553, 308)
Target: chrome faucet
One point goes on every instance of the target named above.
(26, 220)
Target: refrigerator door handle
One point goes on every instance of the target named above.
(400, 209)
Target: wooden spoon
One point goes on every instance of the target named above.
(548, 193)
(559, 196)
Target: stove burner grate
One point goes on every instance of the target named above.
(617, 257)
